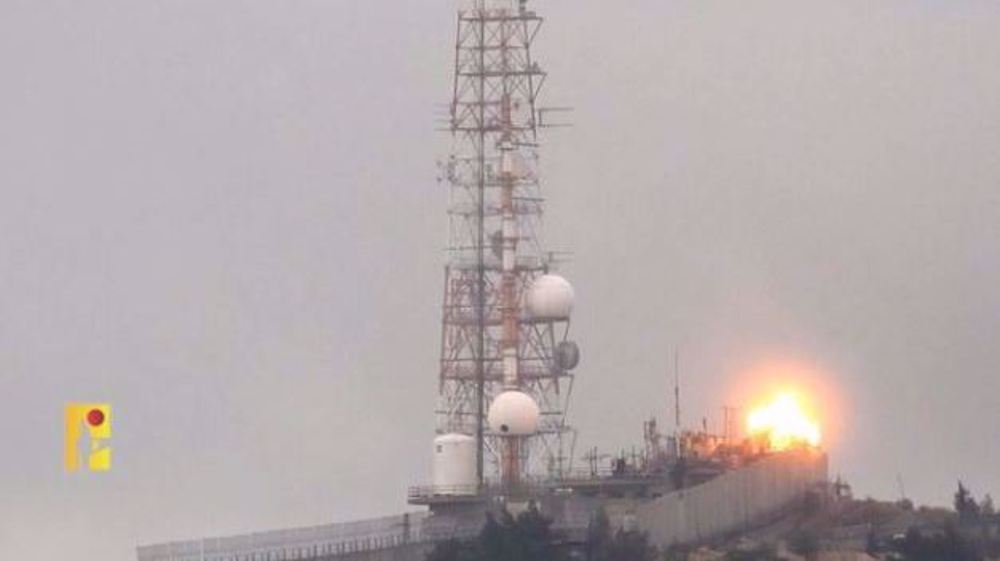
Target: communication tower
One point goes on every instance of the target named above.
(505, 368)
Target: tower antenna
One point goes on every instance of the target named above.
(492, 344)
(677, 392)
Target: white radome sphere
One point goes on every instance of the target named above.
(513, 413)
(550, 297)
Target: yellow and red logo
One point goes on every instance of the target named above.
(88, 428)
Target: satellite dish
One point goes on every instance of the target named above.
(567, 355)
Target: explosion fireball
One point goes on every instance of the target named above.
(784, 423)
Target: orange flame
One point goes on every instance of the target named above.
(784, 423)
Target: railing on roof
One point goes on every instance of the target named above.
(529, 486)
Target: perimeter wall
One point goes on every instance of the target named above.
(741, 499)
(738, 500)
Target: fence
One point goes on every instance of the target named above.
(298, 543)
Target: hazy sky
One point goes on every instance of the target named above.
(222, 217)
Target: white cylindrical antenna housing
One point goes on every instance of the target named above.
(454, 467)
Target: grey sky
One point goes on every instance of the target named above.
(222, 218)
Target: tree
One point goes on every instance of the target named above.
(630, 545)
(623, 545)
(533, 538)
(599, 537)
(804, 543)
(986, 507)
(965, 505)
(949, 546)
(527, 537)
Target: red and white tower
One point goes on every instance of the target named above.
(506, 362)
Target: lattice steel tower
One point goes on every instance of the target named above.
(505, 317)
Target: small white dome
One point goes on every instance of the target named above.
(513, 413)
(550, 297)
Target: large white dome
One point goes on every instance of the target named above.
(550, 297)
(513, 413)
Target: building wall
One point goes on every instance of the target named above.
(737, 500)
